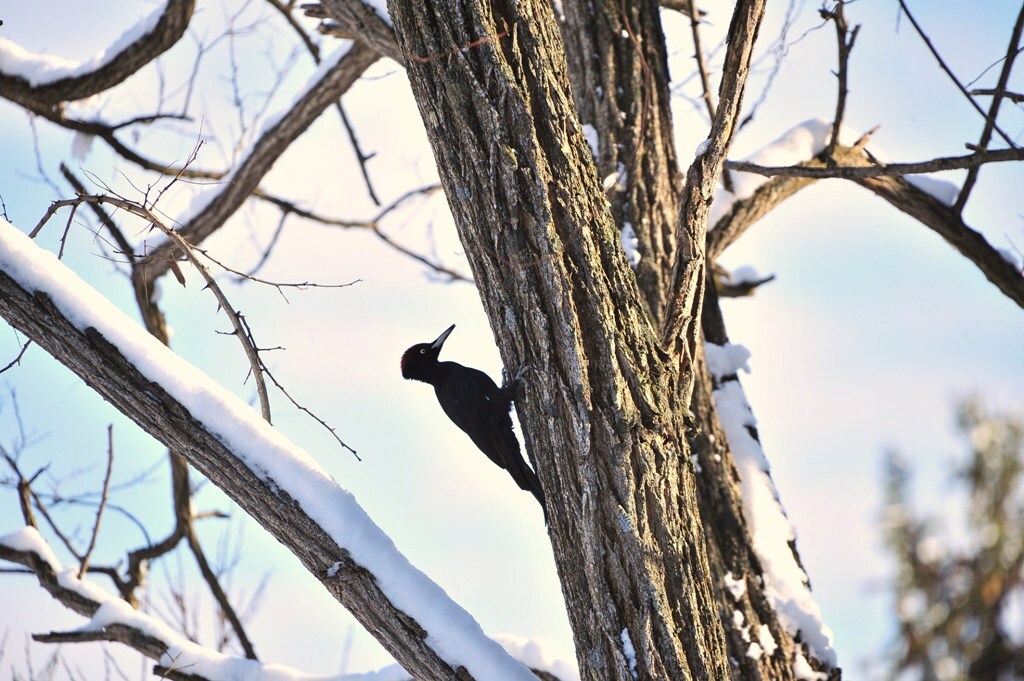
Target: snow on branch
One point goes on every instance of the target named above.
(113, 619)
(39, 81)
(277, 483)
(780, 169)
(785, 581)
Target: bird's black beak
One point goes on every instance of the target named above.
(436, 345)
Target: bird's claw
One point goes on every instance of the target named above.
(517, 379)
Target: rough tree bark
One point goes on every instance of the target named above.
(607, 417)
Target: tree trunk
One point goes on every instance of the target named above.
(605, 415)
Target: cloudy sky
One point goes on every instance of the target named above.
(872, 331)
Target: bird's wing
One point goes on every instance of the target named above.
(488, 423)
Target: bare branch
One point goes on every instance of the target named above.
(241, 332)
(17, 359)
(213, 582)
(993, 109)
(1015, 97)
(104, 491)
(681, 329)
(689, 8)
(374, 226)
(286, 12)
(949, 72)
(887, 183)
(248, 346)
(360, 156)
(818, 171)
(24, 486)
(846, 38)
(245, 178)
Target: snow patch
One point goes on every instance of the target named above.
(81, 144)
(803, 671)
(766, 640)
(629, 651)
(630, 244)
(616, 180)
(736, 586)
(381, 8)
(745, 274)
(726, 360)
(29, 540)
(943, 190)
(801, 143)
(593, 139)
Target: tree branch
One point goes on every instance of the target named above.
(244, 179)
(993, 110)
(859, 172)
(114, 68)
(952, 76)
(361, 21)
(846, 38)
(680, 332)
(888, 183)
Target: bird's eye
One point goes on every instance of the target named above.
(423, 351)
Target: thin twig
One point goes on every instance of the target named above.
(24, 489)
(705, 81)
(857, 172)
(699, 56)
(1015, 97)
(316, 418)
(147, 214)
(255, 363)
(211, 579)
(360, 156)
(17, 360)
(993, 110)
(846, 38)
(949, 72)
(101, 214)
(276, 284)
(373, 224)
(84, 565)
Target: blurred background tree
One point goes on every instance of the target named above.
(960, 599)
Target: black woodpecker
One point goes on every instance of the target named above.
(476, 405)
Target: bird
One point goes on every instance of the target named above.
(476, 405)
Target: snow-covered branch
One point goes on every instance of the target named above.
(114, 620)
(794, 160)
(44, 81)
(281, 486)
